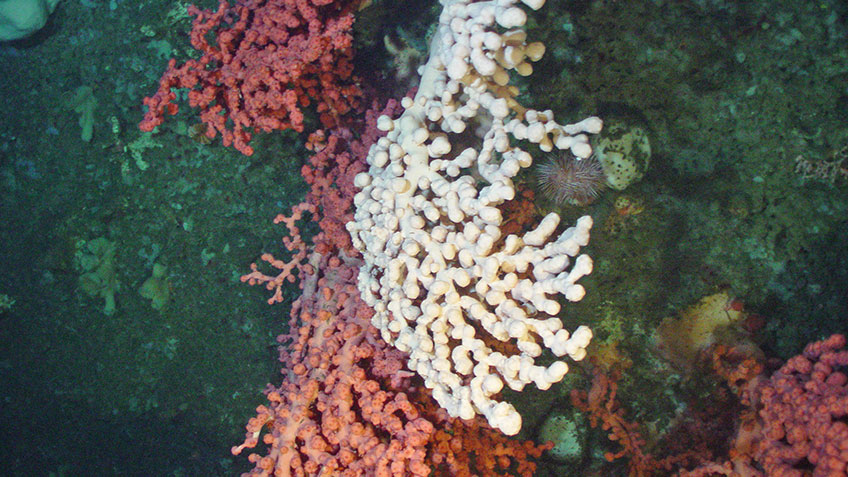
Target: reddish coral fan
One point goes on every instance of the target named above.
(795, 421)
(346, 406)
(269, 59)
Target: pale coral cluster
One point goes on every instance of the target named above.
(473, 308)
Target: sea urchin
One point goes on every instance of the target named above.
(575, 181)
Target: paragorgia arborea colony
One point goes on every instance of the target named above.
(269, 59)
(804, 412)
(347, 407)
(446, 285)
(795, 424)
(328, 399)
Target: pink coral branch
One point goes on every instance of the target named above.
(293, 243)
(269, 59)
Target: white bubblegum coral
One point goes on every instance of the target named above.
(442, 279)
